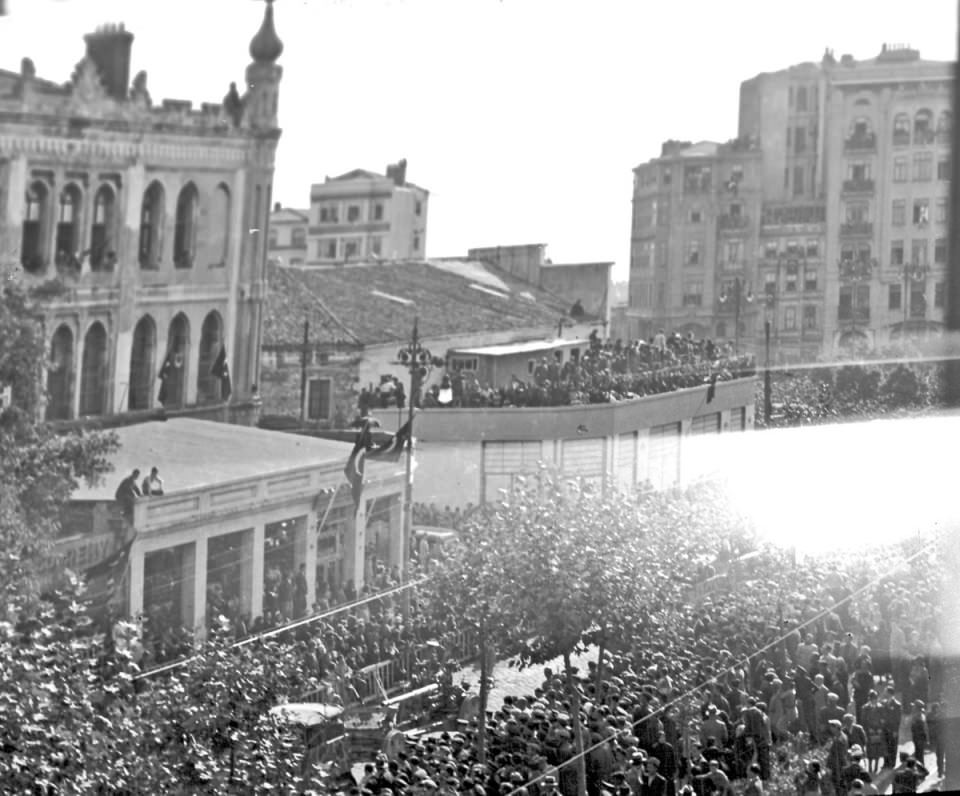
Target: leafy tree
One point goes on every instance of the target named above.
(39, 468)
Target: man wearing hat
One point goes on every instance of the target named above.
(652, 783)
(873, 726)
(907, 778)
(635, 773)
(892, 710)
(548, 786)
(837, 754)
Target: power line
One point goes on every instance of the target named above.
(712, 680)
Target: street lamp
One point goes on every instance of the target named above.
(418, 360)
(737, 297)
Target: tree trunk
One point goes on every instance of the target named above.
(484, 696)
(581, 762)
(597, 689)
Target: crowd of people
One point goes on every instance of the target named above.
(842, 681)
(607, 371)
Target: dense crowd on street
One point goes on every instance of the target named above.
(838, 685)
(607, 371)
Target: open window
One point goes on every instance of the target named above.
(33, 249)
(151, 226)
(102, 249)
(185, 229)
(68, 228)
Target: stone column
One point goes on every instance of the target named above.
(200, 588)
(397, 555)
(235, 248)
(15, 193)
(256, 573)
(128, 276)
(310, 557)
(191, 367)
(354, 554)
(247, 554)
(78, 363)
(136, 579)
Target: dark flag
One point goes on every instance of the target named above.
(712, 389)
(221, 370)
(103, 579)
(355, 464)
(392, 449)
(164, 375)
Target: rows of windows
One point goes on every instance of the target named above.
(919, 251)
(922, 168)
(791, 247)
(153, 379)
(809, 318)
(921, 130)
(352, 212)
(351, 248)
(854, 304)
(920, 212)
(52, 224)
(298, 238)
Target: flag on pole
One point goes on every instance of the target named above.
(355, 464)
(221, 370)
(392, 449)
(164, 375)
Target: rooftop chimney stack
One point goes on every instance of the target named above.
(109, 48)
(398, 172)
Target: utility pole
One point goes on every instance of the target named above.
(767, 405)
(303, 370)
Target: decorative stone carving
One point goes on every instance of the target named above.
(87, 87)
(138, 91)
(27, 70)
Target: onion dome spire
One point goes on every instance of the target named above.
(266, 47)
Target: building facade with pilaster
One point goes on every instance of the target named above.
(141, 227)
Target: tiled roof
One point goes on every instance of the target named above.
(370, 304)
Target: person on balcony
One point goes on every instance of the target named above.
(153, 483)
(127, 494)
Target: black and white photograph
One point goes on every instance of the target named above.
(631, 478)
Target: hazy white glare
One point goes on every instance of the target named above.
(845, 486)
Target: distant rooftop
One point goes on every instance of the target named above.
(366, 304)
(198, 453)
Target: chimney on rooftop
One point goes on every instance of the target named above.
(109, 48)
(398, 172)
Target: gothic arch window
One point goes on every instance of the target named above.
(173, 381)
(102, 248)
(68, 227)
(151, 226)
(901, 129)
(211, 339)
(185, 229)
(142, 363)
(36, 214)
(923, 127)
(219, 232)
(60, 375)
(93, 375)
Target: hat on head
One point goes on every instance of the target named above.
(856, 750)
(654, 761)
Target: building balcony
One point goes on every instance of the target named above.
(727, 221)
(853, 315)
(867, 142)
(918, 313)
(924, 137)
(859, 186)
(857, 228)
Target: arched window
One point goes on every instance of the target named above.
(93, 376)
(151, 226)
(102, 254)
(944, 127)
(923, 127)
(142, 363)
(211, 339)
(901, 129)
(68, 228)
(173, 382)
(60, 375)
(185, 230)
(33, 248)
(218, 234)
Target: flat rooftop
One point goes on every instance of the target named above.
(528, 347)
(200, 453)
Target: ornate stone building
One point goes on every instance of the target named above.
(144, 225)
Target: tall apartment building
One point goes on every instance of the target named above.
(840, 175)
(143, 223)
(363, 216)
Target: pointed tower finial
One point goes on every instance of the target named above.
(266, 47)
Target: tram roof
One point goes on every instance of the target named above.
(194, 453)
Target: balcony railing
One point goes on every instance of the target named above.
(858, 186)
(924, 137)
(727, 221)
(857, 228)
(918, 313)
(853, 315)
(861, 143)
(901, 138)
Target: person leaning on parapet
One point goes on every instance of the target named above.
(153, 483)
(127, 494)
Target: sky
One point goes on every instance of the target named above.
(523, 118)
